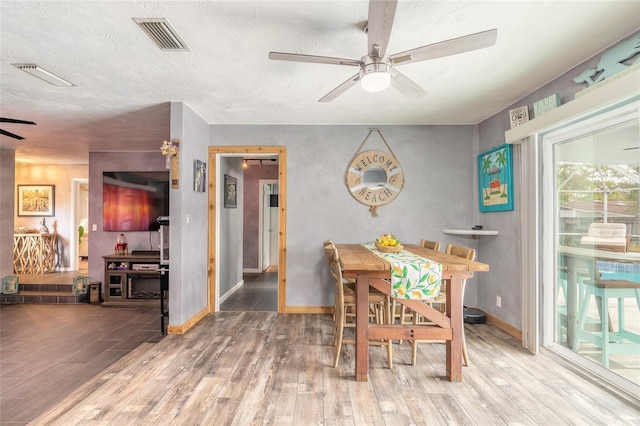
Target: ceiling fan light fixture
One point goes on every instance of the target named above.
(375, 77)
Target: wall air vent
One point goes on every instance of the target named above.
(162, 33)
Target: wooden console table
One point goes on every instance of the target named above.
(34, 253)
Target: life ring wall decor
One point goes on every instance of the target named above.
(374, 178)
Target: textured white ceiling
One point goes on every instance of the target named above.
(123, 81)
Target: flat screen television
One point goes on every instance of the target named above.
(132, 201)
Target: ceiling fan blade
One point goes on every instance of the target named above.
(11, 135)
(405, 85)
(13, 120)
(447, 48)
(340, 89)
(381, 14)
(295, 57)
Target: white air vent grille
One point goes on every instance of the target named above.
(162, 33)
(43, 74)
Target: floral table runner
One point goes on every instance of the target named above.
(412, 276)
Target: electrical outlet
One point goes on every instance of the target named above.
(94, 227)
(499, 301)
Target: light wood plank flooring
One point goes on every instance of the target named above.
(249, 368)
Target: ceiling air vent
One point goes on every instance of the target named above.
(162, 33)
(41, 73)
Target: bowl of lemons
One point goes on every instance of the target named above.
(387, 243)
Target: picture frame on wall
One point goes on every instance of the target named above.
(519, 116)
(36, 200)
(495, 179)
(199, 175)
(230, 192)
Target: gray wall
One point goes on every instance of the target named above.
(101, 243)
(189, 220)
(502, 252)
(438, 192)
(7, 210)
(231, 226)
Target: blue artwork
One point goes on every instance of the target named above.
(495, 179)
(611, 62)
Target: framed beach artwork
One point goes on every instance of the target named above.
(36, 200)
(495, 179)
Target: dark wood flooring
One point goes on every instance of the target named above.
(259, 293)
(48, 351)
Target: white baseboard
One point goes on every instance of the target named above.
(230, 292)
(251, 271)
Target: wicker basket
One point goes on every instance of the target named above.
(390, 249)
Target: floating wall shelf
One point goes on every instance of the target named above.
(473, 232)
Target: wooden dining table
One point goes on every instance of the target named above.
(370, 270)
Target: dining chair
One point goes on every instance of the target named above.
(439, 301)
(605, 336)
(433, 245)
(349, 285)
(345, 307)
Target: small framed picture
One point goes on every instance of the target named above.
(36, 200)
(230, 192)
(199, 175)
(519, 116)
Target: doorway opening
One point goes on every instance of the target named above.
(216, 215)
(79, 244)
(268, 219)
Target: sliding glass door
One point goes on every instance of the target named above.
(591, 238)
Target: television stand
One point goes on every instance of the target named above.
(133, 279)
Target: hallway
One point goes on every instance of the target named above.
(259, 293)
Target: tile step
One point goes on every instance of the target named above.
(44, 297)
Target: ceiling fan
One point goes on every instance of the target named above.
(377, 70)
(15, 121)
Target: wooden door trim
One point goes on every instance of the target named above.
(281, 151)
